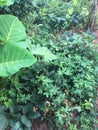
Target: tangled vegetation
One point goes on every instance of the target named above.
(50, 73)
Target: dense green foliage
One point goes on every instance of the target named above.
(61, 86)
(56, 90)
(53, 14)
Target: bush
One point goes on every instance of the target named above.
(62, 91)
(53, 15)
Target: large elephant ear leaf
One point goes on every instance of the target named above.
(37, 50)
(11, 29)
(12, 58)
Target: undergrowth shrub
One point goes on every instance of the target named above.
(62, 91)
(53, 15)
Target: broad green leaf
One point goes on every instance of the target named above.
(3, 121)
(42, 51)
(22, 44)
(10, 2)
(11, 29)
(2, 108)
(36, 115)
(17, 126)
(27, 108)
(26, 121)
(3, 2)
(12, 58)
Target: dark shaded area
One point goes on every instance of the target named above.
(40, 125)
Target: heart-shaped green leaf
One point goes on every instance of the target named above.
(12, 58)
(11, 29)
(26, 121)
(37, 50)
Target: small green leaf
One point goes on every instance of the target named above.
(70, 11)
(8, 103)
